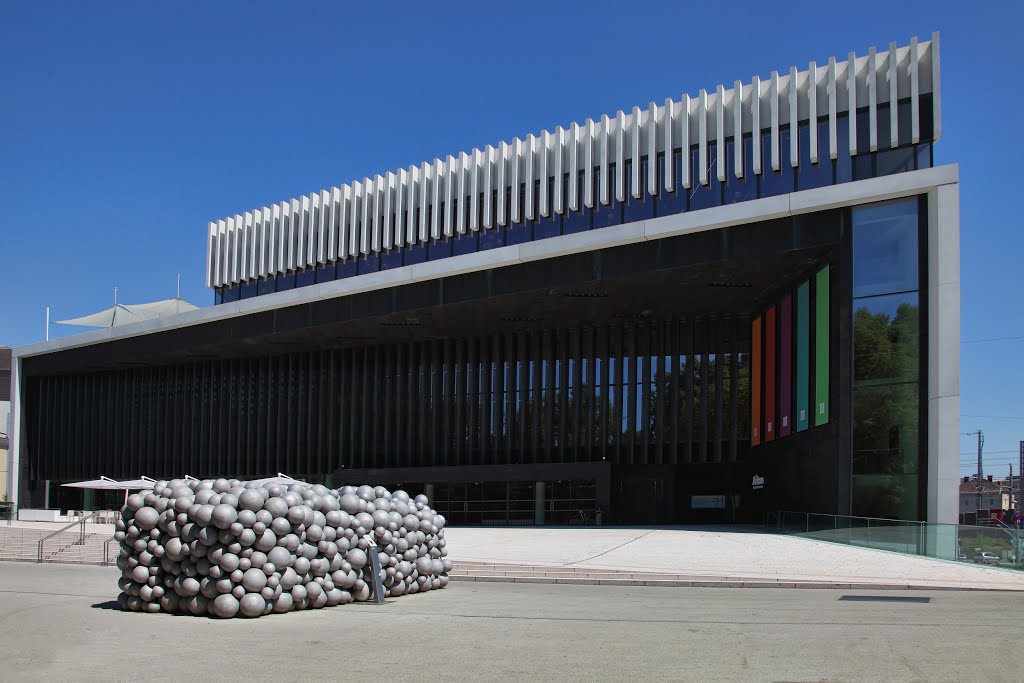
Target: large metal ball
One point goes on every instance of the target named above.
(276, 506)
(224, 515)
(225, 606)
(252, 604)
(357, 558)
(146, 518)
(254, 580)
(350, 503)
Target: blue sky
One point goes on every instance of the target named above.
(125, 128)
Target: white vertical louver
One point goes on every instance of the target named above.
(500, 183)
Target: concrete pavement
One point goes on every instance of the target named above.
(58, 624)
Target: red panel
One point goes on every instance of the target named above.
(785, 365)
(769, 375)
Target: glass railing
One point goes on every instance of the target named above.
(941, 541)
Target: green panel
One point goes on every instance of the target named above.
(803, 356)
(822, 343)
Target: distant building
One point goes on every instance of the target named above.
(983, 502)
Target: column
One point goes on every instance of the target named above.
(943, 361)
(538, 503)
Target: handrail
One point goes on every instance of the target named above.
(106, 550)
(81, 538)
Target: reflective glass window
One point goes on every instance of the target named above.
(885, 429)
(808, 175)
(889, 161)
(368, 264)
(305, 276)
(326, 272)
(248, 289)
(705, 196)
(391, 259)
(642, 208)
(886, 496)
(606, 214)
(885, 248)
(745, 188)
(886, 338)
(286, 281)
(575, 221)
(347, 268)
(776, 182)
(266, 286)
(491, 238)
(230, 294)
(863, 161)
(843, 163)
(923, 153)
(218, 296)
(550, 226)
(669, 203)
(439, 248)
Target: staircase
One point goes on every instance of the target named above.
(527, 573)
(20, 544)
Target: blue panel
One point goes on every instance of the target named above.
(774, 183)
(286, 281)
(347, 268)
(606, 215)
(326, 273)
(391, 259)
(575, 221)
(438, 249)
(637, 209)
(305, 277)
(368, 264)
(674, 202)
(808, 175)
(745, 188)
(704, 196)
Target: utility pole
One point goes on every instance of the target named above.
(978, 489)
(1020, 479)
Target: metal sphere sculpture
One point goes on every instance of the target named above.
(228, 548)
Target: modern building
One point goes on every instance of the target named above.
(708, 308)
(5, 416)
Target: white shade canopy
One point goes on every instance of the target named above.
(282, 479)
(107, 484)
(124, 314)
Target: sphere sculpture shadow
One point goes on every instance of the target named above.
(228, 548)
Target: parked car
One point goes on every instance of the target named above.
(961, 558)
(986, 558)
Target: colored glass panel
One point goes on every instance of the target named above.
(755, 382)
(803, 355)
(785, 365)
(769, 375)
(822, 331)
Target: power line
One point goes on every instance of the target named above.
(992, 339)
(993, 417)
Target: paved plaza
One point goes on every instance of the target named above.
(59, 623)
(721, 553)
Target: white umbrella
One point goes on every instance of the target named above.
(108, 484)
(281, 478)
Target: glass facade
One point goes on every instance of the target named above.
(888, 442)
(806, 175)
